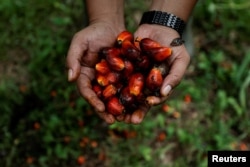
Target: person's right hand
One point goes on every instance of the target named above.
(82, 57)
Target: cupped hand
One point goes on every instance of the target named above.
(178, 63)
(82, 57)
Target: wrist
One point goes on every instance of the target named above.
(182, 9)
(161, 34)
(111, 20)
(163, 19)
(110, 12)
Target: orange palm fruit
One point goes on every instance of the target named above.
(109, 50)
(154, 79)
(102, 67)
(137, 43)
(129, 69)
(159, 54)
(109, 91)
(126, 98)
(113, 77)
(124, 35)
(114, 106)
(81, 160)
(136, 83)
(102, 79)
(114, 60)
(97, 89)
(130, 51)
(147, 43)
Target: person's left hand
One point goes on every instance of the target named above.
(178, 63)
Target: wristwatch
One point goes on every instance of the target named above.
(165, 19)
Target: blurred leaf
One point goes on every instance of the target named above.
(211, 7)
(146, 152)
(61, 151)
(232, 101)
(243, 92)
(48, 137)
(222, 100)
(242, 69)
(61, 21)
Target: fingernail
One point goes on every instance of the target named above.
(70, 74)
(166, 90)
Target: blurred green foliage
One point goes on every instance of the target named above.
(44, 122)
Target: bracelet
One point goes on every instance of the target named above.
(165, 19)
(177, 42)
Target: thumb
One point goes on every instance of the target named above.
(74, 56)
(177, 71)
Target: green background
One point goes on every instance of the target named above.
(44, 122)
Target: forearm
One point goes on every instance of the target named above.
(111, 11)
(180, 8)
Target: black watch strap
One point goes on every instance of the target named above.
(165, 19)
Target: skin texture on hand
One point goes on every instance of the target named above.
(83, 55)
(178, 62)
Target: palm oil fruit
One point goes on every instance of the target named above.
(129, 72)
(124, 36)
(114, 106)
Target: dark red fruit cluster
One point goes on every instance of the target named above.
(129, 72)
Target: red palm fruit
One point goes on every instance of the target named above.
(159, 54)
(124, 35)
(154, 79)
(119, 86)
(97, 89)
(136, 83)
(130, 51)
(102, 67)
(81, 160)
(109, 91)
(102, 79)
(140, 98)
(126, 98)
(115, 62)
(144, 64)
(114, 106)
(147, 43)
(109, 51)
(129, 68)
(113, 77)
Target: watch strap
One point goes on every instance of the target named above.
(164, 19)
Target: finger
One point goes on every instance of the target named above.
(120, 117)
(75, 52)
(177, 71)
(85, 89)
(139, 114)
(127, 118)
(108, 118)
(153, 100)
(84, 86)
